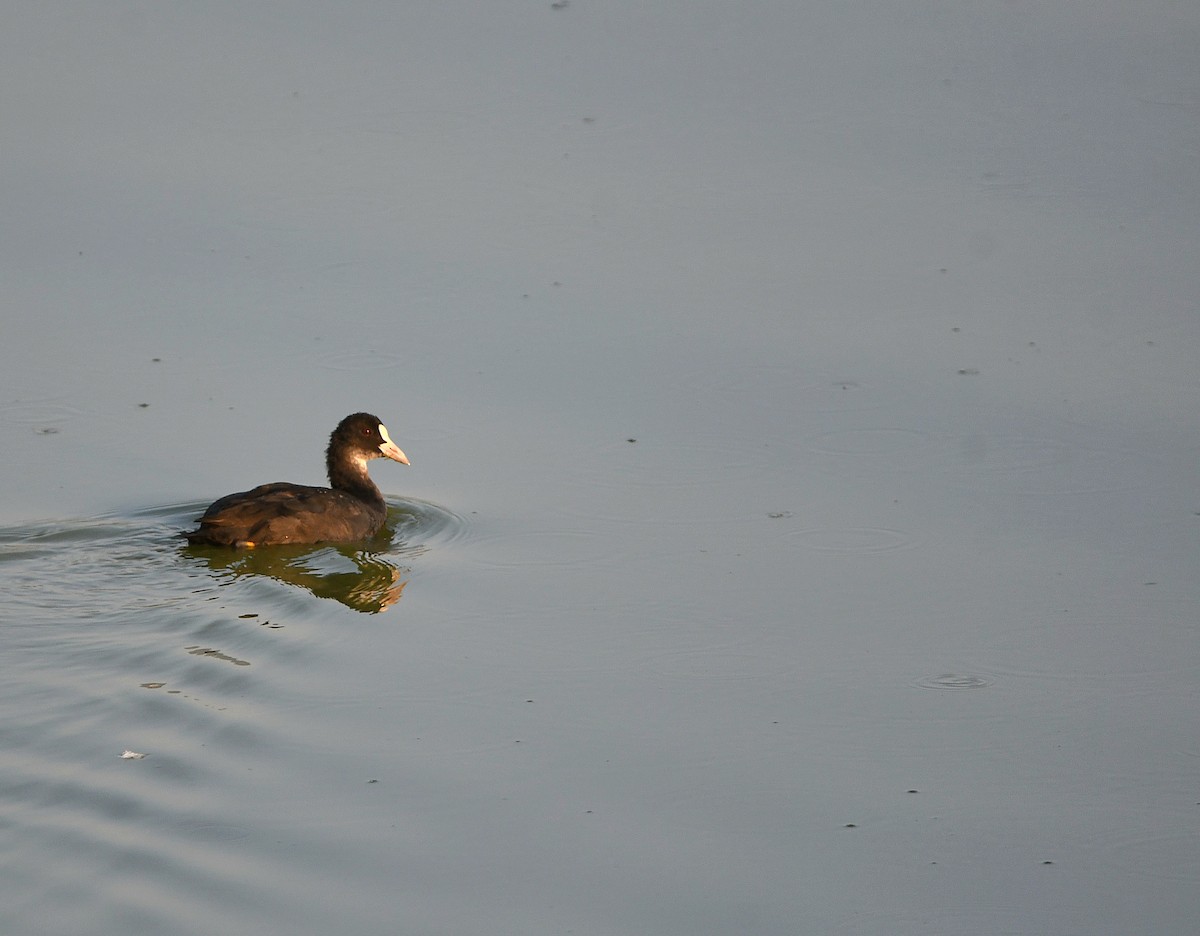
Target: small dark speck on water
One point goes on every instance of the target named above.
(144, 405)
(372, 781)
(631, 440)
(914, 791)
(156, 360)
(560, 4)
(48, 430)
(243, 617)
(1047, 862)
(850, 825)
(969, 371)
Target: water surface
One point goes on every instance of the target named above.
(801, 528)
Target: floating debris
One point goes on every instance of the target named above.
(132, 755)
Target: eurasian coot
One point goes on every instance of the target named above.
(350, 509)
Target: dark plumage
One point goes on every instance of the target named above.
(350, 509)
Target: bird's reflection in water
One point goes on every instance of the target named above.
(361, 576)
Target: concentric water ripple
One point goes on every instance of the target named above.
(992, 464)
(876, 452)
(884, 442)
(953, 681)
(1172, 855)
(797, 388)
(851, 542)
(721, 664)
(425, 522)
(1035, 465)
(357, 360)
(1120, 655)
(663, 482)
(528, 549)
(44, 416)
(675, 463)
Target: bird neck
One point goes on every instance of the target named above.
(350, 475)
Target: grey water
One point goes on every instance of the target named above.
(802, 526)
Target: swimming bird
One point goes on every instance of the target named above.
(350, 509)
